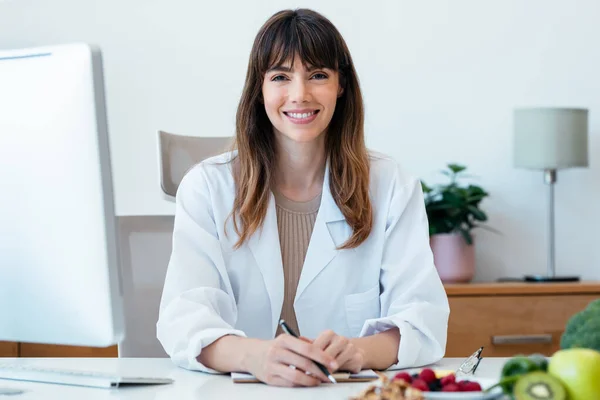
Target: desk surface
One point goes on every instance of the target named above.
(190, 384)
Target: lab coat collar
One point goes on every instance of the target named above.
(324, 240)
(331, 212)
(265, 247)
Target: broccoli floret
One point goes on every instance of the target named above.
(583, 329)
(594, 305)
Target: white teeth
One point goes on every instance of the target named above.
(301, 115)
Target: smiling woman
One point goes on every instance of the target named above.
(300, 64)
(295, 96)
(301, 223)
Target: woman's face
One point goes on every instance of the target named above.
(299, 101)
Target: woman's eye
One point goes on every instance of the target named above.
(278, 78)
(319, 76)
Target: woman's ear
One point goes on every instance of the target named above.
(341, 85)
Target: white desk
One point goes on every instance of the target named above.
(190, 385)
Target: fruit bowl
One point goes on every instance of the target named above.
(389, 388)
(443, 384)
(485, 383)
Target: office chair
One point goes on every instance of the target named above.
(178, 153)
(146, 243)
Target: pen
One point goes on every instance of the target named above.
(289, 331)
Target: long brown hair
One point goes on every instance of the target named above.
(312, 37)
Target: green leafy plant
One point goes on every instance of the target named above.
(453, 207)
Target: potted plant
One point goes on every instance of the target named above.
(453, 212)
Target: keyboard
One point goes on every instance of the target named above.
(24, 372)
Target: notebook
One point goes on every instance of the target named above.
(363, 376)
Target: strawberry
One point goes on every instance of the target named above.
(421, 385)
(405, 376)
(451, 387)
(427, 375)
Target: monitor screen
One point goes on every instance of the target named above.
(59, 262)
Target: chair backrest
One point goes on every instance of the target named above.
(178, 153)
(145, 252)
(146, 244)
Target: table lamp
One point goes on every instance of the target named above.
(550, 139)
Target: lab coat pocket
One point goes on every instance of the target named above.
(360, 307)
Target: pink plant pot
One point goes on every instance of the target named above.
(453, 257)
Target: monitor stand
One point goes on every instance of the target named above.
(4, 391)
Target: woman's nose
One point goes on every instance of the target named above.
(298, 91)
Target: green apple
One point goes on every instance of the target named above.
(579, 371)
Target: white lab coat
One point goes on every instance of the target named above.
(388, 281)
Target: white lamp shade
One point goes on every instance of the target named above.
(550, 138)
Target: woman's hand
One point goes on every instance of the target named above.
(288, 361)
(348, 356)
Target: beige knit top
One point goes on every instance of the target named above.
(295, 222)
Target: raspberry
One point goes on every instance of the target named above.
(451, 378)
(451, 387)
(421, 385)
(427, 375)
(469, 386)
(462, 384)
(404, 376)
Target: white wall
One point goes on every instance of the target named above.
(440, 80)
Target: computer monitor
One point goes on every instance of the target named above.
(59, 260)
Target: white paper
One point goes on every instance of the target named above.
(365, 373)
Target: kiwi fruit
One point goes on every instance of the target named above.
(539, 386)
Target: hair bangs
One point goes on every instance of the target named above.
(299, 36)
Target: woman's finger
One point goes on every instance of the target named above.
(308, 350)
(295, 376)
(324, 339)
(279, 381)
(336, 346)
(287, 357)
(349, 359)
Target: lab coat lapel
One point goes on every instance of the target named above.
(266, 249)
(322, 247)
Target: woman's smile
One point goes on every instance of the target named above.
(301, 116)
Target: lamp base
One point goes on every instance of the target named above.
(541, 278)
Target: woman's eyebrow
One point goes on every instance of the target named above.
(282, 68)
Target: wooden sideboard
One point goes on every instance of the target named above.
(10, 349)
(507, 318)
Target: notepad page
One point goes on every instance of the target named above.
(366, 373)
(242, 376)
